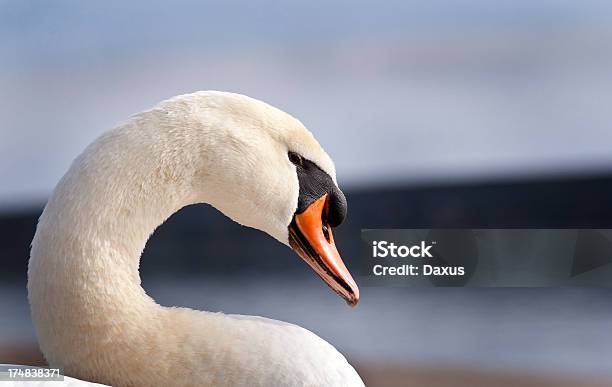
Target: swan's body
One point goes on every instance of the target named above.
(92, 317)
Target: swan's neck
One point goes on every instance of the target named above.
(84, 286)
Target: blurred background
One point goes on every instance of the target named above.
(438, 114)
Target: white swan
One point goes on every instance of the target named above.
(253, 162)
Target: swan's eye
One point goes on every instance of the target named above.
(295, 158)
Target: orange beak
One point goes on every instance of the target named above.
(311, 237)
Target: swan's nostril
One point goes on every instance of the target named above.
(325, 230)
(324, 222)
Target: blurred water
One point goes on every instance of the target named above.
(557, 330)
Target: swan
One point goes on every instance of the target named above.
(257, 165)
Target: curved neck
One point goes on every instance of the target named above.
(83, 279)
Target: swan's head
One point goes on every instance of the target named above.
(264, 169)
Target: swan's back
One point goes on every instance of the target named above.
(290, 355)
